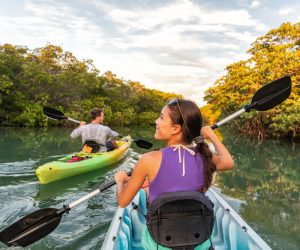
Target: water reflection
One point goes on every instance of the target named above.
(267, 177)
(17, 144)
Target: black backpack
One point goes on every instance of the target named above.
(181, 220)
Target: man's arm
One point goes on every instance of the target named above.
(113, 133)
(77, 131)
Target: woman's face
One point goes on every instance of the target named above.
(164, 125)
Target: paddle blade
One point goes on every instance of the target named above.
(31, 228)
(54, 113)
(272, 94)
(143, 144)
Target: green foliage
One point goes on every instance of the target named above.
(32, 116)
(209, 115)
(272, 56)
(125, 117)
(147, 117)
(49, 76)
(5, 86)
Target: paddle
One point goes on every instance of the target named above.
(42, 222)
(264, 99)
(142, 143)
(58, 115)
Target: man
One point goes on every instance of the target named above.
(94, 133)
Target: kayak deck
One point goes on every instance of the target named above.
(63, 168)
(230, 230)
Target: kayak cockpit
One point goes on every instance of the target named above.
(230, 231)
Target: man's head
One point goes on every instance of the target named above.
(97, 115)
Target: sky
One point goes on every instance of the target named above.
(177, 46)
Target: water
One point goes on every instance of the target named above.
(263, 187)
(267, 179)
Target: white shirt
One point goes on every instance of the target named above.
(95, 132)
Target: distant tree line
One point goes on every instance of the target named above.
(52, 77)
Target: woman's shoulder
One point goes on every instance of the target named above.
(151, 157)
(152, 154)
(150, 162)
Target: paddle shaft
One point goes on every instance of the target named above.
(94, 193)
(228, 118)
(73, 120)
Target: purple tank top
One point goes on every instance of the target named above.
(170, 177)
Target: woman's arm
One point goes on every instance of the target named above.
(222, 160)
(127, 187)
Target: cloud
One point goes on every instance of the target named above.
(254, 4)
(57, 24)
(286, 11)
(184, 11)
(178, 45)
(166, 26)
(179, 41)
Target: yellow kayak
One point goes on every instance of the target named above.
(65, 167)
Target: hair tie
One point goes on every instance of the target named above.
(199, 139)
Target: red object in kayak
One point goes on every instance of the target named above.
(76, 158)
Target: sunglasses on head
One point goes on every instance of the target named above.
(176, 102)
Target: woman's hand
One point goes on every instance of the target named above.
(121, 177)
(207, 132)
(223, 159)
(82, 123)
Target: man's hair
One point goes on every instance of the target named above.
(95, 113)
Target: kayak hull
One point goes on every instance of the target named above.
(230, 230)
(61, 168)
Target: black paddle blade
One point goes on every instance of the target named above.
(54, 113)
(272, 94)
(31, 228)
(143, 144)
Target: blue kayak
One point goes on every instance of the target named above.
(230, 230)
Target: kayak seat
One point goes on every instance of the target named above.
(181, 220)
(94, 145)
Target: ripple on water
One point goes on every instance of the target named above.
(18, 167)
(15, 208)
(85, 226)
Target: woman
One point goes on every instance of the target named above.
(177, 167)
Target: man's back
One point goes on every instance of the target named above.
(94, 132)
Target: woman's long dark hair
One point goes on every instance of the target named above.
(187, 114)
